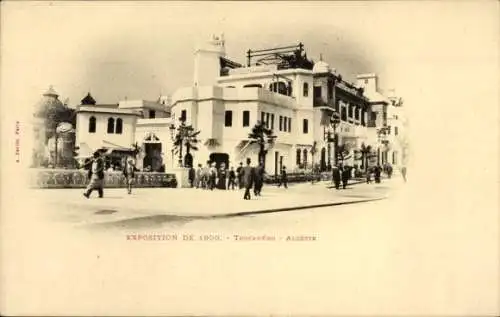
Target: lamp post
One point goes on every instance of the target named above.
(332, 128)
(381, 133)
(172, 138)
(182, 136)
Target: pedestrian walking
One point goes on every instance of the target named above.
(377, 172)
(239, 175)
(403, 173)
(389, 171)
(231, 179)
(212, 178)
(199, 176)
(346, 174)
(259, 179)
(336, 176)
(191, 176)
(96, 181)
(283, 178)
(368, 175)
(206, 176)
(221, 177)
(247, 177)
(129, 173)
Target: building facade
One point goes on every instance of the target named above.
(130, 128)
(295, 99)
(319, 119)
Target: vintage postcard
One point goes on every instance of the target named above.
(249, 158)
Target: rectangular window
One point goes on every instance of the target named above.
(272, 121)
(374, 116)
(306, 90)
(183, 115)
(152, 114)
(395, 130)
(281, 123)
(317, 92)
(228, 120)
(394, 157)
(289, 124)
(356, 113)
(267, 120)
(285, 123)
(246, 118)
(262, 117)
(305, 127)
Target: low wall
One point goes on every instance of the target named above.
(60, 178)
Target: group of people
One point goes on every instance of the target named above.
(243, 177)
(341, 174)
(96, 167)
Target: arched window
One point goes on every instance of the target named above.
(305, 157)
(111, 125)
(298, 157)
(92, 125)
(306, 90)
(343, 114)
(119, 126)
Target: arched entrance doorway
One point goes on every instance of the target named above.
(152, 153)
(219, 158)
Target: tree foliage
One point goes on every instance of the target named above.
(262, 135)
(187, 137)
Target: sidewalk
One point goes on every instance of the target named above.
(117, 205)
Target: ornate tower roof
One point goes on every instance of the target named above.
(88, 100)
(51, 92)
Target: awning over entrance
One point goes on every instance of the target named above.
(84, 151)
(115, 147)
(211, 142)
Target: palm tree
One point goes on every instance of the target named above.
(188, 137)
(365, 152)
(136, 149)
(261, 135)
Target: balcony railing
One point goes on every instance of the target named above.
(319, 102)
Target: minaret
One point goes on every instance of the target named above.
(207, 61)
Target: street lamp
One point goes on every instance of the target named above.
(332, 128)
(381, 133)
(182, 134)
(172, 137)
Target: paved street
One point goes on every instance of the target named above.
(156, 207)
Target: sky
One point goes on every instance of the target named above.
(142, 50)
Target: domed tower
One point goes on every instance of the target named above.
(50, 101)
(321, 67)
(207, 61)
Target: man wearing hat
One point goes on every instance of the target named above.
(96, 176)
(129, 173)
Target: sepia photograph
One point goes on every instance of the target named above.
(232, 158)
